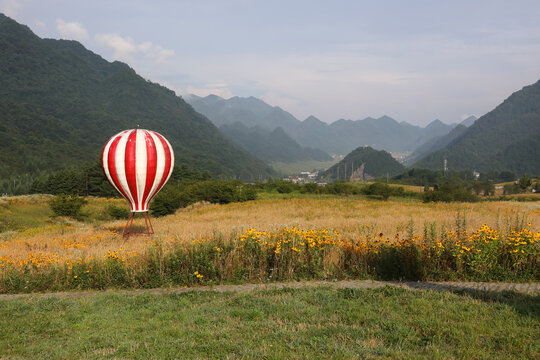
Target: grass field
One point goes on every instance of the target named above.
(38, 232)
(270, 240)
(309, 323)
(312, 237)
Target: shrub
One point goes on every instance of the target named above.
(67, 205)
(310, 188)
(511, 189)
(117, 212)
(173, 197)
(342, 188)
(380, 189)
(168, 200)
(450, 191)
(284, 188)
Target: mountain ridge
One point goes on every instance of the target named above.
(60, 103)
(338, 137)
(506, 138)
(271, 146)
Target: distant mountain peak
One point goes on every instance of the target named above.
(213, 97)
(436, 124)
(436, 121)
(313, 119)
(386, 118)
(469, 121)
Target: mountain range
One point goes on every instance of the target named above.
(60, 103)
(271, 146)
(339, 137)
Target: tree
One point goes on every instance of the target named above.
(379, 189)
(524, 182)
(67, 205)
(507, 176)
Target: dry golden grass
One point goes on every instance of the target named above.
(348, 216)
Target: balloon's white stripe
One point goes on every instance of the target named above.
(140, 166)
(120, 164)
(160, 166)
(105, 160)
(170, 170)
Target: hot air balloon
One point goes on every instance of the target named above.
(137, 163)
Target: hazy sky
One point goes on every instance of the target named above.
(412, 60)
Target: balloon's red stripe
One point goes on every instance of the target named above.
(131, 167)
(167, 169)
(111, 160)
(151, 164)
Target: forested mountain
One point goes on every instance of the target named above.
(60, 103)
(362, 164)
(435, 144)
(248, 111)
(340, 137)
(507, 138)
(271, 146)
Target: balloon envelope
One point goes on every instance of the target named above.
(137, 163)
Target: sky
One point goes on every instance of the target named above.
(414, 60)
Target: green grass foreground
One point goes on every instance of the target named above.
(308, 323)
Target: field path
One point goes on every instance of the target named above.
(524, 288)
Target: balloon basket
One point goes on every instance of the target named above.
(130, 230)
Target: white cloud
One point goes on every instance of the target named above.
(40, 25)
(10, 8)
(124, 48)
(71, 30)
(162, 55)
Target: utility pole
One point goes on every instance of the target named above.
(445, 166)
(86, 183)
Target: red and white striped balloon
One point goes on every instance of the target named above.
(137, 163)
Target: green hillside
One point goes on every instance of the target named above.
(364, 163)
(60, 103)
(435, 144)
(271, 146)
(507, 138)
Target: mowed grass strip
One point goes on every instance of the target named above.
(308, 323)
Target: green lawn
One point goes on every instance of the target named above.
(309, 323)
